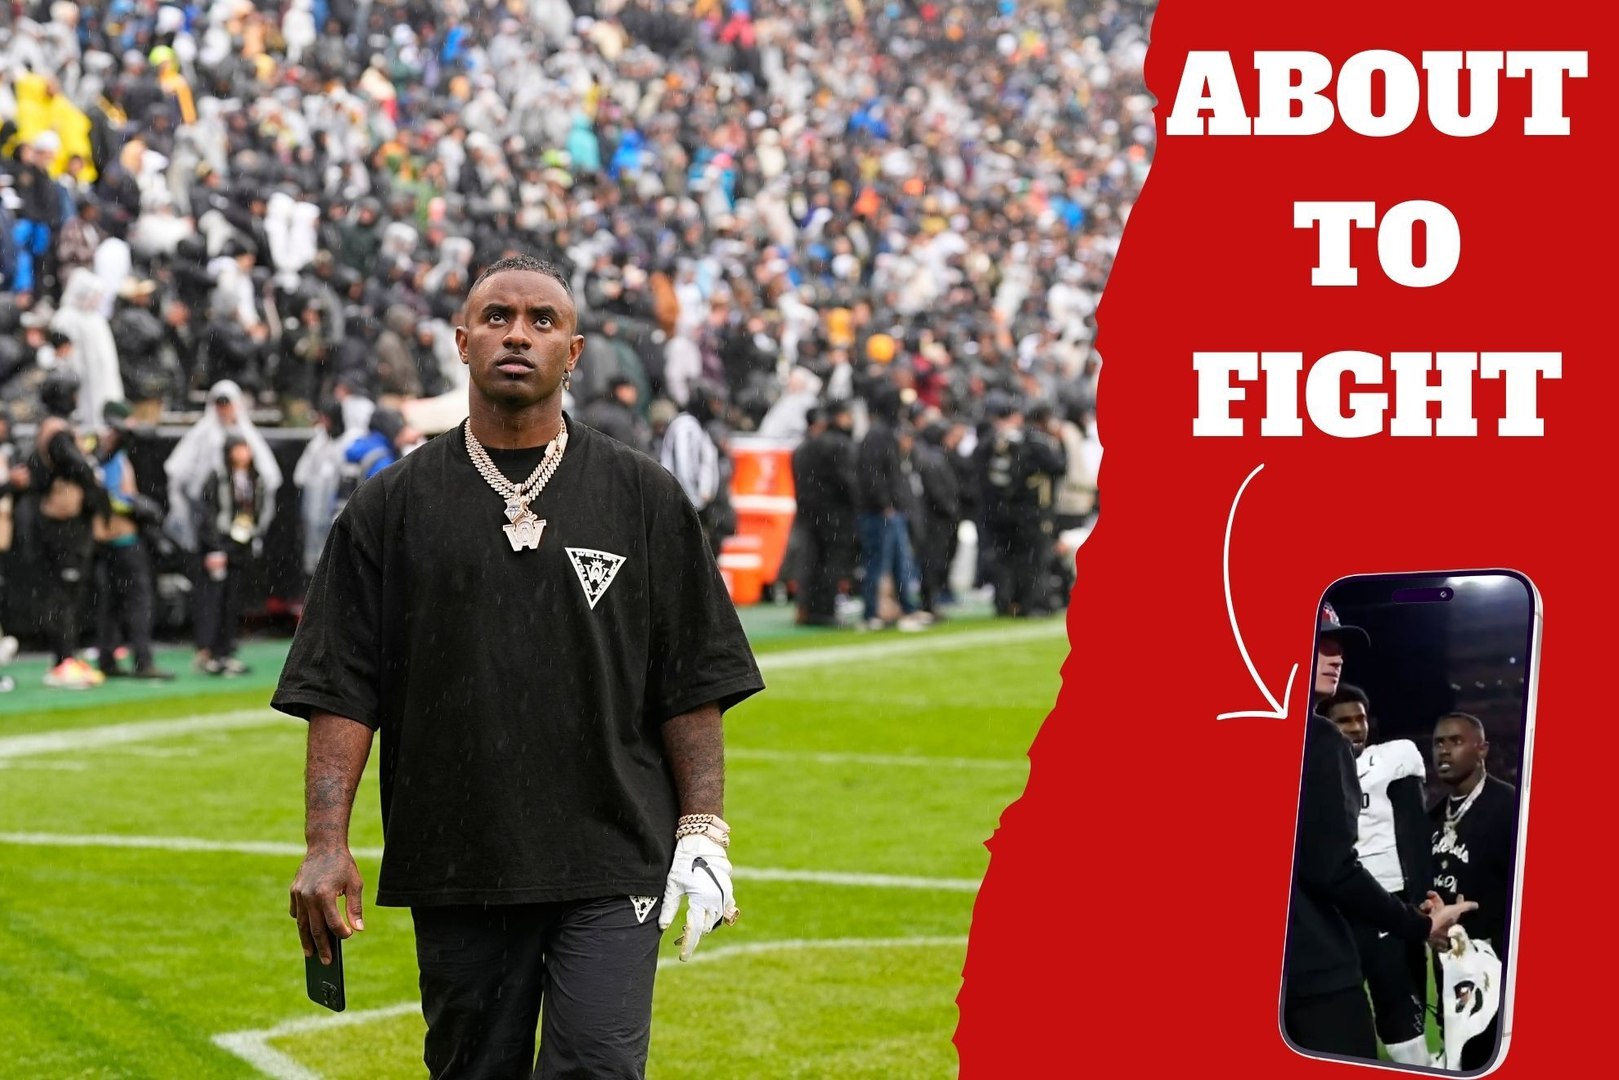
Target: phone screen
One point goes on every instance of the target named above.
(1411, 808)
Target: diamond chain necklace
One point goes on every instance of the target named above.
(523, 529)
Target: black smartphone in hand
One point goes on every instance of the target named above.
(325, 981)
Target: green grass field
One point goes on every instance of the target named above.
(148, 834)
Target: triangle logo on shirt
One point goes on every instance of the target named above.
(596, 570)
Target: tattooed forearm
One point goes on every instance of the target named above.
(338, 748)
(327, 792)
(695, 745)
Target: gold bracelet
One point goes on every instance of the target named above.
(693, 824)
(708, 825)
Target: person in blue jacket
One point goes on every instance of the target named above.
(384, 444)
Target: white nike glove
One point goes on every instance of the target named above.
(701, 873)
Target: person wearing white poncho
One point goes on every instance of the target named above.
(95, 353)
(195, 460)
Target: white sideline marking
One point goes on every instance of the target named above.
(871, 881)
(160, 752)
(91, 738)
(296, 851)
(860, 653)
(836, 758)
(167, 843)
(254, 1047)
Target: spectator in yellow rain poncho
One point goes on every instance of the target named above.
(42, 107)
(174, 83)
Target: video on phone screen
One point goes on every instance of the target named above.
(1405, 859)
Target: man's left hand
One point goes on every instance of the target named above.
(701, 873)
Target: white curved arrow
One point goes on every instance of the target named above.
(1278, 709)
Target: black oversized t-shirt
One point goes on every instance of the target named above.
(1479, 860)
(519, 695)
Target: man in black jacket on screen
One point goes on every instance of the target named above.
(1324, 1005)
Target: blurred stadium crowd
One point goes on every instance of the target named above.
(785, 219)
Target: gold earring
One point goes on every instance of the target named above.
(567, 380)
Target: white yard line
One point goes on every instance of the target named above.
(869, 651)
(124, 737)
(742, 753)
(166, 843)
(251, 1047)
(254, 1047)
(94, 738)
(296, 851)
(157, 752)
(90, 738)
(858, 881)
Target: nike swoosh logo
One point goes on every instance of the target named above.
(700, 863)
(1382, 934)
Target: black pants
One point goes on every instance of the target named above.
(219, 606)
(827, 560)
(792, 568)
(934, 550)
(124, 603)
(486, 972)
(66, 548)
(1338, 1023)
(1481, 1047)
(1397, 977)
(1018, 552)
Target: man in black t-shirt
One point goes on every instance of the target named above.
(1475, 828)
(528, 613)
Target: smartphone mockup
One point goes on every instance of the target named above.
(1402, 925)
(325, 981)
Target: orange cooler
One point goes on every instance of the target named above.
(762, 495)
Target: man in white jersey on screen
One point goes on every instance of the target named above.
(1393, 845)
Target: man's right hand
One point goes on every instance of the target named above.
(326, 874)
(1442, 916)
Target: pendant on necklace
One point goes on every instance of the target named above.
(525, 529)
(525, 532)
